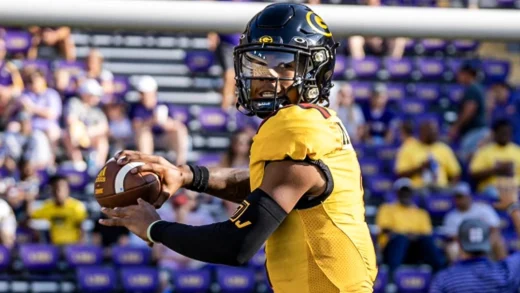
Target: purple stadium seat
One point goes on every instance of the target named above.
(140, 279)
(379, 185)
(433, 45)
(399, 68)
(439, 204)
(210, 159)
(96, 279)
(506, 3)
(39, 257)
(5, 258)
(213, 119)
(365, 68)
(396, 91)
(24, 235)
(370, 166)
(496, 70)
(236, 279)
(180, 113)
(199, 61)
(392, 2)
(40, 65)
(454, 64)
(83, 255)
(413, 106)
(412, 280)
(427, 91)
(361, 90)
(386, 153)
(454, 92)
(244, 121)
(191, 281)
(78, 180)
(121, 85)
(424, 3)
(258, 260)
(410, 46)
(381, 281)
(465, 45)
(131, 255)
(430, 68)
(17, 41)
(73, 67)
(43, 176)
(340, 67)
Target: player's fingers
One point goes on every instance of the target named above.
(123, 153)
(113, 222)
(117, 212)
(154, 168)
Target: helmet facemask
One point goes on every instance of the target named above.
(271, 76)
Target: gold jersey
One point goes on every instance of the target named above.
(324, 245)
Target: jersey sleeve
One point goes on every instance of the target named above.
(298, 132)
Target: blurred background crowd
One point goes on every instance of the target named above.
(436, 125)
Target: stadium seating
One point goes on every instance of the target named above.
(412, 280)
(191, 281)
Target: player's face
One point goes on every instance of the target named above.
(270, 73)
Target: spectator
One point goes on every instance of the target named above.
(10, 79)
(500, 101)
(475, 272)
(470, 127)
(515, 120)
(7, 225)
(121, 133)
(223, 46)
(427, 161)
(350, 113)
(87, 125)
(360, 46)
(62, 84)
(46, 40)
(465, 209)
(44, 105)
(379, 119)
(64, 213)
(149, 118)
(28, 144)
(405, 229)
(237, 155)
(498, 161)
(95, 70)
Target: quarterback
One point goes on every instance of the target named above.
(303, 193)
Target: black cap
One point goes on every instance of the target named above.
(474, 236)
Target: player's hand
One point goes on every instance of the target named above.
(136, 218)
(172, 178)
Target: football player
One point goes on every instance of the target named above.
(303, 192)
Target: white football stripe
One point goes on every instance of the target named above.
(120, 177)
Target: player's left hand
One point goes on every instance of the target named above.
(135, 218)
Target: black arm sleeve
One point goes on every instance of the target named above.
(232, 242)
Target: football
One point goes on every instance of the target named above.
(116, 186)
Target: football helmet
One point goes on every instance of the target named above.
(286, 55)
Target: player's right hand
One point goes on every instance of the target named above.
(172, 178)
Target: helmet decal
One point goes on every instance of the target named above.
(317, 24)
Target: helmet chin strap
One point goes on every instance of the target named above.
(265, 107)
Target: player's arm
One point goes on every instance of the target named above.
(226, 183)
(236, 240)
(230, 184)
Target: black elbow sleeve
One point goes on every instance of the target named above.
(233, 242)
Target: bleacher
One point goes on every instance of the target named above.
(420, 85)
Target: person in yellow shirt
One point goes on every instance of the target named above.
(498, 161)
(406, 230)
(427, 161)
(64, 213)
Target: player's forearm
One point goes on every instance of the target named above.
(233, 242)
(226, 183)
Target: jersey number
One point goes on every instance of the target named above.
(346, 139)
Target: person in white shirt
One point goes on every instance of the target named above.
(7, 225)
(349, 112)
(465, 209)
